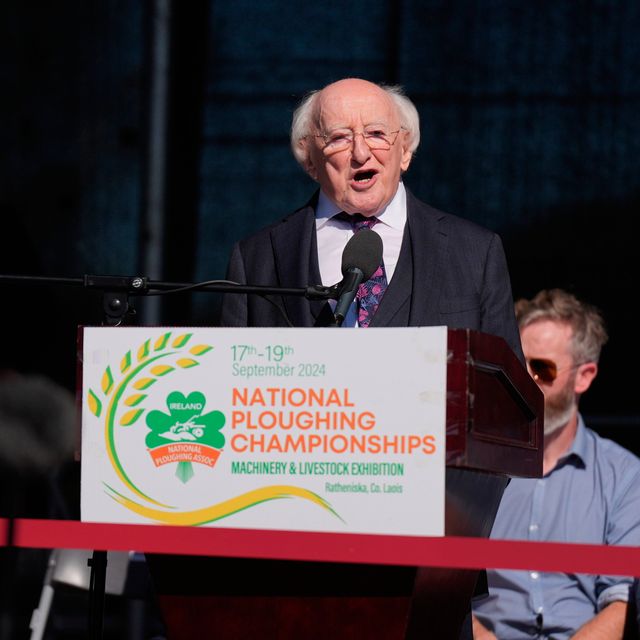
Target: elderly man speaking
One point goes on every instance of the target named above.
(356, 139)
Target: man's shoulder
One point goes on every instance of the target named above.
(421, 212)
(299, 217)
(611, 447)
(610, 454)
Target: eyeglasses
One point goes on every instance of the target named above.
(377, 138)
(547, 370)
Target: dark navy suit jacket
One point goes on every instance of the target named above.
(450, 272)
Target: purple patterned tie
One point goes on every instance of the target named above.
(370, 292)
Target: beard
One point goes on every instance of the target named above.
(559, 407)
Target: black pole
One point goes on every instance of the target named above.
(8, 574)
(97, 590)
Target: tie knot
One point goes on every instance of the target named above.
(357, 220)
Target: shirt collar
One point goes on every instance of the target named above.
(579, 446)
(393, 215)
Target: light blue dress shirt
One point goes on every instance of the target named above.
(592, 496)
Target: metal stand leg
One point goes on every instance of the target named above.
(8, 573)
(97, 585)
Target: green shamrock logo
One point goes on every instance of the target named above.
(185, 423)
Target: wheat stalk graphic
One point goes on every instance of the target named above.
(138, 371)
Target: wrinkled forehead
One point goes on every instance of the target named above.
(354, 108)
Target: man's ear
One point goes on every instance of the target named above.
(585, 375)
(407, 156)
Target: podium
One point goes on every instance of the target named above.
(494, 427)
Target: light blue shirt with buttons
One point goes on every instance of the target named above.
(592, 496)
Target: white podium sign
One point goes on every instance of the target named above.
(292, 429)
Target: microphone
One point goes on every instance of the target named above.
(361, 257)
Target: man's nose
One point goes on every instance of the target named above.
(361, 151)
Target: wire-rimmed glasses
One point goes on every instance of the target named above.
(376, 138)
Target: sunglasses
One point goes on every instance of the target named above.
(546, 370)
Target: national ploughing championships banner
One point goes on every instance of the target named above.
(294, 429)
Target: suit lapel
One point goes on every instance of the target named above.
(429, 247)
(421, 256)
(398, 293)
(296, 258)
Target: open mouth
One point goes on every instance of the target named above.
(362, 177)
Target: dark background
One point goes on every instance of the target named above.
(146, 137)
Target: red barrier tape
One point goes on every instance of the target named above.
(454, 552)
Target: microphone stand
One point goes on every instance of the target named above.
(116, 305)
(116, 290)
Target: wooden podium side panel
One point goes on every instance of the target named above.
(494, 408)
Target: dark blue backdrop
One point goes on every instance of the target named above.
(529, 118)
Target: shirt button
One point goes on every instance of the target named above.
(534, 575)
(533, 527)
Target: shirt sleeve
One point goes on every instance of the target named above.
(618, 592)
(623, 527)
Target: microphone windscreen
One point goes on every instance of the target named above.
(363, 251)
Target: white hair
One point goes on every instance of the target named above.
(302, 121)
